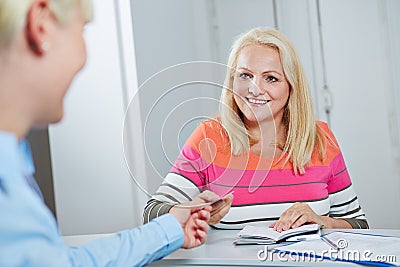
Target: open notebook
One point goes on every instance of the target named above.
(256, 235)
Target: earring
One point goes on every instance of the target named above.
(45, 46)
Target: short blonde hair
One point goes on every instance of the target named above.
(13, 14)
(302, 131)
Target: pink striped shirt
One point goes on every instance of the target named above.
(263, 187)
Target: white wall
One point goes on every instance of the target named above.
(393, 25)
(360, 77)
(93, 190)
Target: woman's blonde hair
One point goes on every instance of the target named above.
(13, 14)
(302, 132)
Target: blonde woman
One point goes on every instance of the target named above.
(285, 168)
(41, 50)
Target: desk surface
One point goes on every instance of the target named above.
(219, 251)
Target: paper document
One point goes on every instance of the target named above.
(269, 233)
(352, 247)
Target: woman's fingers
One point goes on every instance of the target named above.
(300, 221)
(206, 196)
(295, 216)
(221, 210)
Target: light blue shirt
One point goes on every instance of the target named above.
(29, 235)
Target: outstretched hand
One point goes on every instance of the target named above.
(194, 223)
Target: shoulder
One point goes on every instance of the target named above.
(210, 129)
(207, 128)
(324, 127)
(327, 133)
(332, 149)
(212, 125)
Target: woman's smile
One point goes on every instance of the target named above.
(257, 102)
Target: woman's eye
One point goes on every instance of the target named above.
(244, 76)
(271, 79)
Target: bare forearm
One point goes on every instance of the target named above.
(349, 223)
(334, 223)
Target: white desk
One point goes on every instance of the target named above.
(219, 251)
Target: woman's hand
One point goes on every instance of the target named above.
(297, 215)
(219, 209)
(301, 213)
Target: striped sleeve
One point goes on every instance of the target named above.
(174, 190)
(343, 200)
(185, 180)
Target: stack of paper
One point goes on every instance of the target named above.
(351, 247)
(256, 235)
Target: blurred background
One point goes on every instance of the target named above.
(350, 50)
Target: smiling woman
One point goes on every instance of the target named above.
(285, 167)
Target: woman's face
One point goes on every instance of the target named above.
(260, 88)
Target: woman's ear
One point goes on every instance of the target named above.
(37, 26)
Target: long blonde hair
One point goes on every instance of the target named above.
(302, 132)
(13, 14)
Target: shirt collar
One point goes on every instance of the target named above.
(15, 155)
(25, 151)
